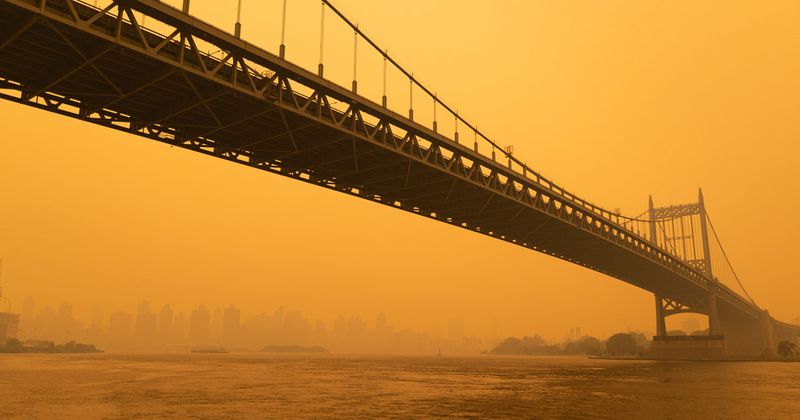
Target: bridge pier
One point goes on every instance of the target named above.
(745, 335)
(697, 347)
(769, 341)
(755, 336)
(661, 317)
(732, 332)
(713, 315)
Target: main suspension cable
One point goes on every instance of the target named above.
(727, 260)
(413, 80)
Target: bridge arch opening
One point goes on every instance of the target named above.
(688, 323)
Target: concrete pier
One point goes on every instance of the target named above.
(689, 347)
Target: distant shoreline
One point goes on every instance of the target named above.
(14, 346)
(725, 359)
(293, 349)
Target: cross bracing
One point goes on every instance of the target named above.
(246, 105)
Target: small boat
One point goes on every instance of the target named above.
(208, 349)
(439, 354)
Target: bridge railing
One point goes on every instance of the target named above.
(482, 143)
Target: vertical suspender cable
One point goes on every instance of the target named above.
(321, 39)
(282, 52)
(537, 176)
(238, 29)
(411, 97)
(672, 231)
(683, 240)
(435, 124)
(694, 246)
(383, 100)
(355, 61)
(456, 122)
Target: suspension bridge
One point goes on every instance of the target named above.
(156, 71)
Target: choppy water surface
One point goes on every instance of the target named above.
(293, 386)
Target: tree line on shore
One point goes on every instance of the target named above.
(787, 349)
(12, 345)
(620, 344)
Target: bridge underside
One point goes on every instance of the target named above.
(109, 72)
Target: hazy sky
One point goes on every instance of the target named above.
(614, 100)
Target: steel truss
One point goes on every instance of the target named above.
(690, 305)
(460, 187)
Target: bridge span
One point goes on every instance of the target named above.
(102, 65)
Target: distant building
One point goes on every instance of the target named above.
(320, 334)
(9, 326)
(27, 318)
(216, 321)
(44, 326)
(66, 327)
(166, 328)
(200, 325)
(120, 326)
(145, 326)
(179, 328)
(231, 323)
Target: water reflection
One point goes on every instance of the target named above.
(256, 385)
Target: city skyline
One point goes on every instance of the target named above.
(150, 328)
(146, 327)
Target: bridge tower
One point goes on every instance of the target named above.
(713, 315)
(683, 231)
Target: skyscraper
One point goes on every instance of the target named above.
(231, 321)
(67, 327)
(27, 318)
(179, 328)
(119, 328)
(145, 327)
(166, 331)
(9, 326)
(200, 326)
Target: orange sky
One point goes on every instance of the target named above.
(614, 100)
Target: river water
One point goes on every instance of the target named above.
(312, 386)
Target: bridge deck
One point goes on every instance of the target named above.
(253, 108)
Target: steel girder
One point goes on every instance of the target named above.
(296, 106)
